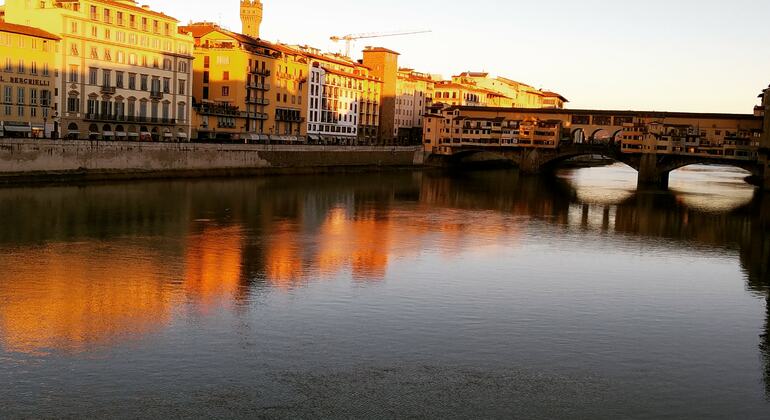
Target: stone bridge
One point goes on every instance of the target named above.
(653, 169)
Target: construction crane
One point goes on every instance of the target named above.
(353, 37)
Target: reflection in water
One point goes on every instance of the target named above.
(91, 267)
(73, 297)
(213, 264)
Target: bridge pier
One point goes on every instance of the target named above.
(650, 174)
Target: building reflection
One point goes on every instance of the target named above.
(213, 264)
(57, 297)
(115, 263)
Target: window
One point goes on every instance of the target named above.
(205, 77)
(73, 104)
(182, 87)
(21, 68)
(106, 78)
(225, 91)
(181, 112)
(226, 75)
(94, 15)
(206, 62)
(119, 79)
(205, 92)
(120, 18)
(166, 85)
(144, 82)
(92, 76)
(74, 72)
(73, 27)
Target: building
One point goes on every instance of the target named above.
(27, 81)
(245, 89)
(251, 17)
(510, 93)
(124, 71)
(414, 94)
(343, 104)
(714, 135)
(384, 66)
(457, 94)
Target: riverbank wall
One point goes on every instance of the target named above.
(33, 160)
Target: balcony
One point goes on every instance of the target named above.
(107, 90)
(258, 101)
(289, 118)
(156, 95)
(261, 86)
(261, 72)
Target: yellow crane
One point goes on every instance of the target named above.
(353, 37)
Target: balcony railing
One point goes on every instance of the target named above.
(127, 118)
(156, 95)
(109, 90)
(261, 72)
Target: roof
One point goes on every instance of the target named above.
(127, 4)
(549, 94)
(473, 74)
(380, 49)
(26, 30)
(630, 113)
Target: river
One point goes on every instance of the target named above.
(396, 294)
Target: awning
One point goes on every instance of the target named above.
(18, 129)
(133, 134)
(264, 137)
(182, 135)
(314, 137)
(120, 133)
(167, 135)
(108, 133)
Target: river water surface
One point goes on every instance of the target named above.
(481, 294)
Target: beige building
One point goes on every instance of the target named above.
(343, 105)
(124, 70)
(27, 81)
(414, 95)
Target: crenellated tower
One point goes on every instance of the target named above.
(251, 17)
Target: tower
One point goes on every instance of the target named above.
(251, 17)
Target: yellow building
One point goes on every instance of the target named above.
(383, 64)
(246, 89)
(456, 94)
(251, 17)
(510, 92)
(124, 71)
(27, 81)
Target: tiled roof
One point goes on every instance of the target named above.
(126, 5)
(26, 30)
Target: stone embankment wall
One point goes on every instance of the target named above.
(52, 160)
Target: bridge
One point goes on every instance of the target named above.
(653, 143)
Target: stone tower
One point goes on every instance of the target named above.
(251, 17)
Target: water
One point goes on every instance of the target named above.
(482, 294)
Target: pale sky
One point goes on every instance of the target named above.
(677, 55)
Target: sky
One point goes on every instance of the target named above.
(663, 55)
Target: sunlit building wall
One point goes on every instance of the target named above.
(124, 71)
(343, 100)
(414, 94)
(27, 81)
(383, 64)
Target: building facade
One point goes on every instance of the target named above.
(124, 71)
(27, 81)
(713, 135)
(383, 64)
(343, 100)
(414, 95)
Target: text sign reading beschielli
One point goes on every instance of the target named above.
(24, 81)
